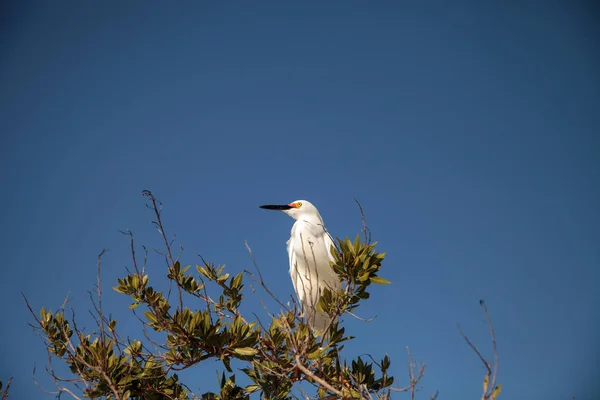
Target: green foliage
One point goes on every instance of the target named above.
(280, 360)
(357, 265)
(110, 370)
(276, 358)
(488, 393)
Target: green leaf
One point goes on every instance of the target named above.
(385, 363)
(227, 364)
(496, 391)
(252, 388)
(202, 271)
(245, 351)
(151, 317)
(134, 282)
(237, 280)
(379, 280)
(364, 276)
(120, 289)
(357, 243)
(315, 354)
(321, 305)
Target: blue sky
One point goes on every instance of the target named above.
(469, 134)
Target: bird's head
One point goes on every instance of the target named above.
(299, 209)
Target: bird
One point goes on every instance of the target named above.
(309, 251)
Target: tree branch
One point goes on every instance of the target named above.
(320, 381)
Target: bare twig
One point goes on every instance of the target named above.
(472, 346)
(5, 394)
(260, 279)
(157, 211)
(365, 229)
(493, 334)
(132, 247)
(414, 379)
(99, 294)
(490, 391)
(361, 318)
(72, 353)
(59, 387)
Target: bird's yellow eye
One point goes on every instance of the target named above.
(298, 204)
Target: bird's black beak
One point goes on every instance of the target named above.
(277, 207)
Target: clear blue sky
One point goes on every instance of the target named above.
(469, 133)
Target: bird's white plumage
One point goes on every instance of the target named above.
(309, 254)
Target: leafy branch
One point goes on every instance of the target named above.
(281, 359)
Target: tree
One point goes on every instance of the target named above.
(282, 359)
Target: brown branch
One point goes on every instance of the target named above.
(5, 394)
(361, 318)
(490, 387)
(260, 280)
(472, 346)
(297, 354)
(493, 334)
(99, 299)
(132, 248)
(161, 229)
(320, 381)
(72, 354)
(414, 380)
(59, 387)
(100, 370)
(366, 230)
(50, 369)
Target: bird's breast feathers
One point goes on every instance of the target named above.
(309, 253)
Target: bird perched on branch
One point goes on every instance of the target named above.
(309, 250)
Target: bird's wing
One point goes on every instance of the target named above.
(328, 243)
(290, 246)
(333, 279)
(293, 271)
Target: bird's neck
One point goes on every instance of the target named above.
(313, 221)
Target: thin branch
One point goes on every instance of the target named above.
(472, 346)
(132, 247)
(72, 353)
(366, 230)
(320, 381)
(260, 280)
(489, 387)
(360, 318)
(413, 379)
(99, 293)
(157, 211)
(493, 334)
(5, 395)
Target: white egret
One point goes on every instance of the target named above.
(309, 252)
